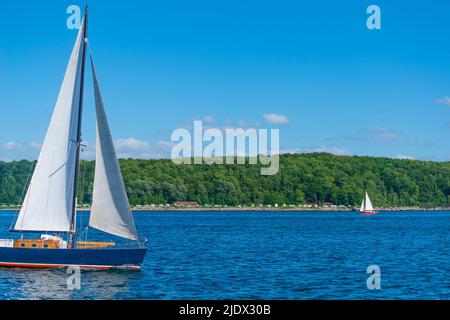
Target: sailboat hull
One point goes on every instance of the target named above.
(368, 212)
(104, 258)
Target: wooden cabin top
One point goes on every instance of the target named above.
(36, 243)
(55, 244)
(94, 244)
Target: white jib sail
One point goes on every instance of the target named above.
(369, 206)
(362, 205)
(48, 202)
(110, 208)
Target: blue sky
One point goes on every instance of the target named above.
(161, 64)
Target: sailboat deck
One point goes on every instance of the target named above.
(94, 244)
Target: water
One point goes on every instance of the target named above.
(264, 255)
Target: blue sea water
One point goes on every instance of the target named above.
(263, 255)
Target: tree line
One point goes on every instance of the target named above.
(302, 179)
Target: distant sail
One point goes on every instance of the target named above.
(48, 204)
(110, 208)
(369, 206)
(362, 205)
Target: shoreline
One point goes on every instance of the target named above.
(283, 209)
(288, 209)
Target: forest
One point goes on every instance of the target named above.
(314, 178)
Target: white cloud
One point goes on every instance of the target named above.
(131, 144)
(208, 119)
(133, 148)
(35, 145)
(276, 118)
(403, 157)
(130, 148)
(142, 155)
(166, 145)
(12, 145)
(445, 101)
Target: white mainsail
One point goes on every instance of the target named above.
(110, 208)
(48, 204)
(366, 204)
(369, 206)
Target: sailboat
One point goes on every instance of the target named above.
(50, 205)
(366, 206)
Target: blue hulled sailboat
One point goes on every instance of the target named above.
(50, 204)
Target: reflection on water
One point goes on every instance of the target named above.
(18, 283)
(52, 284)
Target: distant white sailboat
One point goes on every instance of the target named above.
(366, 206)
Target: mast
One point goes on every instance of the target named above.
(78, 142)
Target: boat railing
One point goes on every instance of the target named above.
(142, 242)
